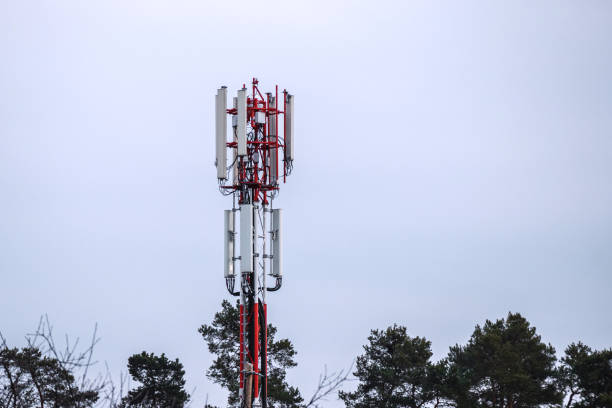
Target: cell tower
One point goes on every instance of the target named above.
(259, 159)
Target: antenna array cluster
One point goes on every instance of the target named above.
(256, 146)
(259, 157)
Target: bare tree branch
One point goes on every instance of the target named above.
(72, 359)
(112, 394)
(328, 383)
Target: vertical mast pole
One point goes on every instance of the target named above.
(264, 346)
(255, 294)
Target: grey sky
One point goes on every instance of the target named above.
(454, 162)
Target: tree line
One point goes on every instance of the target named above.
(504, 364)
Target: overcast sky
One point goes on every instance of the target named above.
(453, 163)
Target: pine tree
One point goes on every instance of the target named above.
(30, 379)
(393, 372)
(222, 338)
(586, 376)
(505, 365)
(161, 382)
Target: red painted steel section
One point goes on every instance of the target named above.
(284, 127)
(265, 348)
(241, 347)
(256, 348)
(276, 119)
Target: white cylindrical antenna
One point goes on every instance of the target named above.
(235, 170)
(255, 244)
(277, 256)
(229, 243)
(221, 132)
(273, 135)
(246, 238)
(289, 127)
(241, 124)
(235, 117)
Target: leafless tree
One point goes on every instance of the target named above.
(74, 360)
(328, 383)
(112, 393)
(78, 361)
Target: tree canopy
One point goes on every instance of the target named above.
(586, 376)
(161, 382)
(30, 379)
(222, 339)
(505, 364)
(393, 371)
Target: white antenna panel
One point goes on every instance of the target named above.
(273, 135)
(229, 243)
(235, 167)
(277, 248)
(241, 125)
(235, 151)
(246, 238)
(289, 128)
(221, 132)
(260, 117)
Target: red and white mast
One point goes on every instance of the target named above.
(259, 157)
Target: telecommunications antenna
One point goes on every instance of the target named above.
(260, 156)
